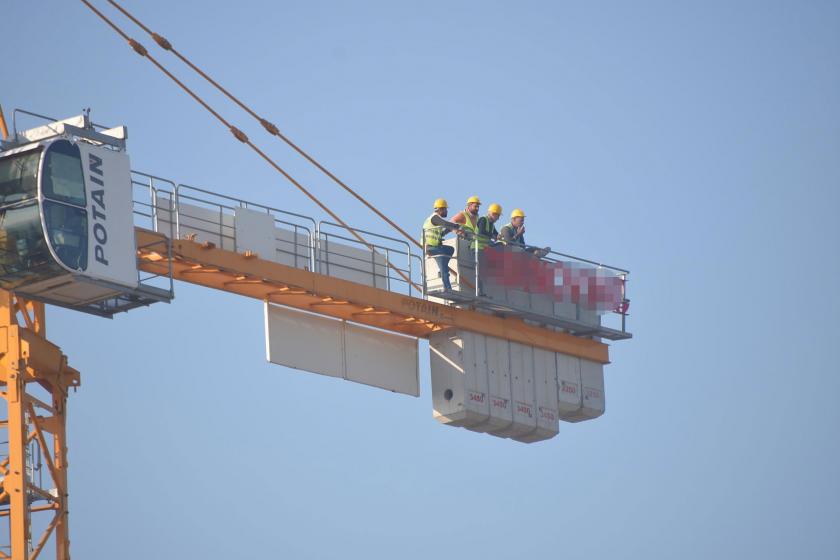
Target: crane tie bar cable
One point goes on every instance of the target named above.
(268, 126)
(239, 135)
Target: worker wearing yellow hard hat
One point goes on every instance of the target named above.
(468, 218)
(513, 234)
(487, 233)
(434, 230)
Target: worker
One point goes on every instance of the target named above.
(468, 219)
(434, 229)
(487, 233)
(514, 234)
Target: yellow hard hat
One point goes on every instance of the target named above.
(494, 209)
(517, 213)
(441, 203)
(472, 199)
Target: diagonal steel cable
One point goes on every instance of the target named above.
(267, 125)
(270, 127)
(241, 136)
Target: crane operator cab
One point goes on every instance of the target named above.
(66, 225)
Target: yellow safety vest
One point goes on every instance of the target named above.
(471, 227)
(432, 234)
(485, 236)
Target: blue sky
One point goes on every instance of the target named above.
(695, 144)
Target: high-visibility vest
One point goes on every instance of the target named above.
(432, 234)
(471, 227)
(485, 234)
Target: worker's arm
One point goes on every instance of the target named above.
(440, 222)
(460, 218)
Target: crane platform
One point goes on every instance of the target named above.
(245, 274)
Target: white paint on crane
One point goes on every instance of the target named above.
(381, 359)
(337, 348)
(255, 232)
(354, 263)
(304, 341)
(205, 224)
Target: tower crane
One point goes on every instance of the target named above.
(511, 355)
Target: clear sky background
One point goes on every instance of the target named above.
(697, 144)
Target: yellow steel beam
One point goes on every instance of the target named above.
(4, 130)
(207, 265)
(48, 507)
(15, 482)
(27, 357)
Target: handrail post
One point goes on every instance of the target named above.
(176, 209)
(410, 275)
(295, 233)
(623, 303)
(423, 267)
(373, 266)
(477, 289)
(153, 192)
(222, 230)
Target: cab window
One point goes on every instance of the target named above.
(67, 232)
(19, 177)
(24, 256)
(63, 179)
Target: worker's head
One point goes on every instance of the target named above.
(517, 217)
(441, 207)
(472, 204)
(494, 212)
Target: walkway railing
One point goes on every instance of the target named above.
(182, 211)
(390, 262)
(581, 295)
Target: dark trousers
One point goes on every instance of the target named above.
(442, 254)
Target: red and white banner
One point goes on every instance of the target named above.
(594, 288)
